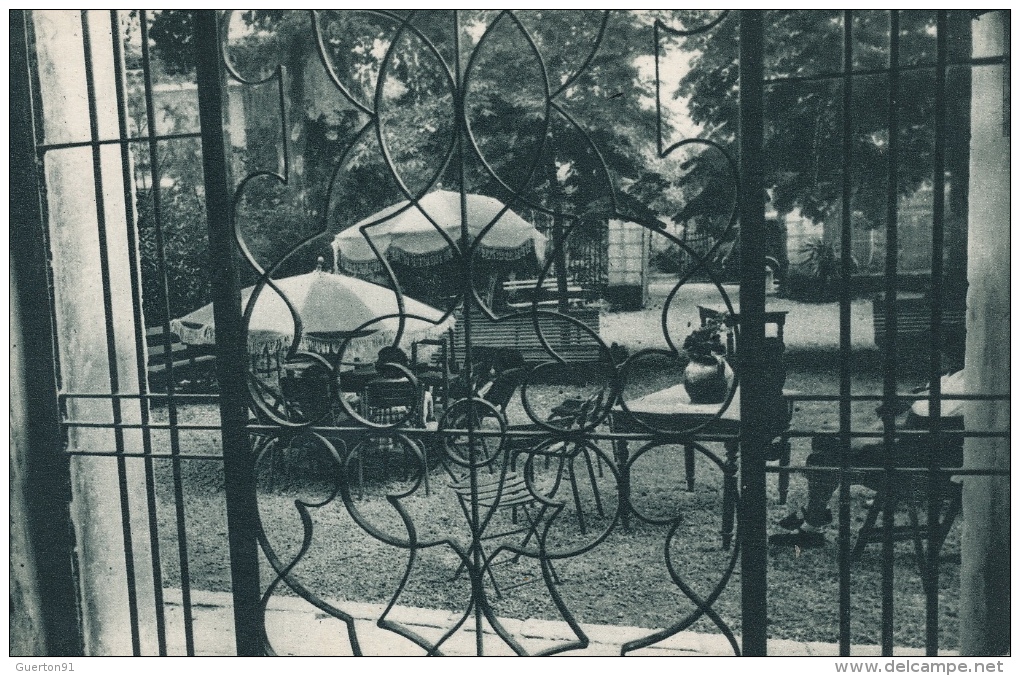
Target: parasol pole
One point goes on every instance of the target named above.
(559, 246)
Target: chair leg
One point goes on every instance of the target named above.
(577, 497)
(361, 474)
(729, 494)
(866, 528)
(952, 511)
(533, 532)
(866, 533)
(408, 457)
(594, 484)
(492, 578)
(689, 467)
(784, 474)
(425, 466)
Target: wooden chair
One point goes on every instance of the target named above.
(393, 401)
(436, 372)
(911, 491)
(571, 414)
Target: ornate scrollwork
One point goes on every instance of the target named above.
(533, 466)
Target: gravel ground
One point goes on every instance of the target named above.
(623, 579)
(809, 326)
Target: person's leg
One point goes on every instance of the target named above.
(808, 523)
(821, 486)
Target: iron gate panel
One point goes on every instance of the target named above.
(489, 462)
(557, 471)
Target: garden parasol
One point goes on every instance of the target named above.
(332, 308)
(405, 234)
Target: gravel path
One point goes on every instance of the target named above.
(809, 326)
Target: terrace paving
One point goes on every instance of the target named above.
(297, 628)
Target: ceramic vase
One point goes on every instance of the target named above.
(705, 379)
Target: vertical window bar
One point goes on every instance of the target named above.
(931, 575)
(231, 347)
(111, 346)
(846, 269)
(478, 593)
(168, 357)
(136, 307)
(753, 506)
(889, 358)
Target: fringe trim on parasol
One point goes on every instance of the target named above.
(419, 260)
(364, 348)
(432, 258)
(491, 253)
(193, 334)
(358, 268)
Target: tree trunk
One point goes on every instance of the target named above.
(560, 246)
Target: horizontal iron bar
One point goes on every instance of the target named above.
(772, 469)
(154, 456)
(565, 435)
(833, 75)
(921, 471)
(180, 398)
(138, 426)
(901, 433)
(570, 435)
(792, 397)
(41, 149)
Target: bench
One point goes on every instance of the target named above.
(913, 321)
(572, 343)
(182, 357)
(521, 293)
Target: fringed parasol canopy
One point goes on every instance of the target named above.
(408, 234)
(332, 309)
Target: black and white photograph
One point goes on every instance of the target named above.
(579, 332)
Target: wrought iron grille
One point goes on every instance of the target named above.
(544, 470)
(558, 473)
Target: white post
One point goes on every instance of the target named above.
(985, 545)
(78, 292)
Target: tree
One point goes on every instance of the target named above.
(803, 119)
(551, 161)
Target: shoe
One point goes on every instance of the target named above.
(801, 538)
(825, 520)
(794, 520)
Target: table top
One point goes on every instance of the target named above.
(674, 401)
(670, 411)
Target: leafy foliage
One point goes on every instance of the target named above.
(816, 276)
(172, 33)
(803, 125)
(705, 341)
(594, 142)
